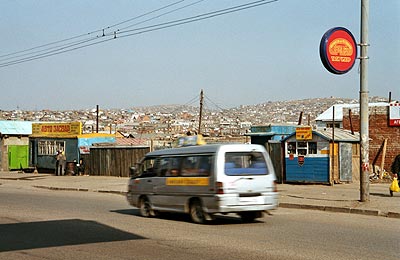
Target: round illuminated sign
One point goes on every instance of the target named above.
(338, 50)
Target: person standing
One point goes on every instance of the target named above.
(57, 162)
(61, 162)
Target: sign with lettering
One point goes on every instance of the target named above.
(338, 50)
(394, 114)
(57, 129)
(304, 133)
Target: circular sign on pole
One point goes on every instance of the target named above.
(338, 50)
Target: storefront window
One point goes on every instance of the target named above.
(302, 148)
(50, 147)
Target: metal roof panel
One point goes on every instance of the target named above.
(8, 127)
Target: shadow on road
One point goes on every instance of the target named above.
(20, 236)
(134, 212)
(182, 217)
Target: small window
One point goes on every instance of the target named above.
(312, 147)
(301, 148)
(291, 147)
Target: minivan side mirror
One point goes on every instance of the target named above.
(132, 170)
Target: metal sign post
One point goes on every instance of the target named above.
(364, 126)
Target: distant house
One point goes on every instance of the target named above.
(14, 145)
(327, 118)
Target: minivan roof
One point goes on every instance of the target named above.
(208, 148)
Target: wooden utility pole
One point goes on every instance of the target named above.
(201, 111)
(97, 118)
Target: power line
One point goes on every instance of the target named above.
(67, 47)
(158, 16)
(92, 32)
(215, 104)
(47, 50)
(201, 16)
(147, 29)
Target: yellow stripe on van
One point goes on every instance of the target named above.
(187, 181)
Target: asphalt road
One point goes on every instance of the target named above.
(42, 224)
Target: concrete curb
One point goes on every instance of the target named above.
(58, 188)
(368, 212)
(79, 189)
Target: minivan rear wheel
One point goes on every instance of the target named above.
(250, 216)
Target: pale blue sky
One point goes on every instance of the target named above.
(267, 53)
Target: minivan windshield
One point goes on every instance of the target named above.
(245, 163)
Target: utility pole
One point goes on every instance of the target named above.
(364, 125)
(97, 118)
(201, 111)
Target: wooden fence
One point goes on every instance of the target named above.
(113, 160)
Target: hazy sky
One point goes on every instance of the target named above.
(266, 53)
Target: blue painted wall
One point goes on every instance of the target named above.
(314, 169)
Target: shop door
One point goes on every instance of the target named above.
(18, 157)
(345, 162)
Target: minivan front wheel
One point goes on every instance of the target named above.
(145, 207)
(197, 213)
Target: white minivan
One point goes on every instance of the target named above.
(205, 180)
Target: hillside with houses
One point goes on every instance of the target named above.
(168, 120)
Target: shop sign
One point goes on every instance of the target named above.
(304, 133)
(56, 129)
(338, 50)
(191, 140)
(394, 114)
(300, 160)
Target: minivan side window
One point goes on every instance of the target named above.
(170, 166)
(245, 163)
(196, 165)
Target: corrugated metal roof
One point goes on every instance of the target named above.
(341, 135)
(327, 115)
(15, 127)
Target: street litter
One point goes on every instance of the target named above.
(394, 187)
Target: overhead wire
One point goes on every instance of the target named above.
(215, 104)
(200, 17)
(92, 32)
(67, 47)
(146, 29)
(158, 16)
